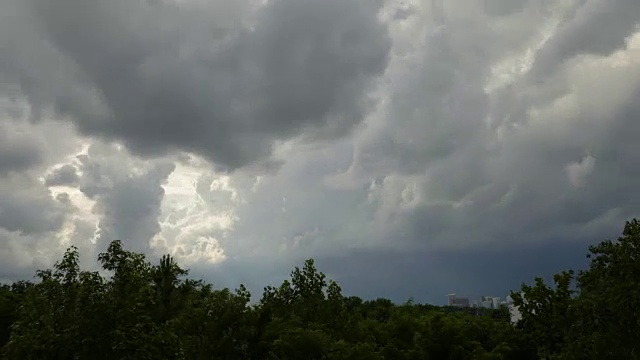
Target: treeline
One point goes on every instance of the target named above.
(147, 311)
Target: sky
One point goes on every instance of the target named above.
(412, 148)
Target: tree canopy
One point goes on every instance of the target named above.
(142, 310)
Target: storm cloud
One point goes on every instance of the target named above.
(208, 78)
(397, 142)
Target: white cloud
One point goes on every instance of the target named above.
(577, 172)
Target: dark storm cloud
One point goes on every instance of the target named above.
(425, 276)
(18, 151)
(27, 207)
(161, 76)
(502, 147)
(531, 160)
(17, 156)
(436, 103)
(63, 175)
(428, 276)
(526, 194)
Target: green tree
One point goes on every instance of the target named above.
(8, 306)
(145, 311)
(60, 317)
(168, 296)
(610, 296)
(215, 324)
(548, 314)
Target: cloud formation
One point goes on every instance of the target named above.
(63, 175)
(224, 79)
(127, 198)
(245, 136)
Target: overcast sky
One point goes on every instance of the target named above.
(413, 148)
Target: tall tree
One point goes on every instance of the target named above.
(610, 292)
(168, 295)
(548, 314)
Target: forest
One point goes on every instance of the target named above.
(154, 311)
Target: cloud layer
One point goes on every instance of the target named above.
(221, 79)
(244, 136)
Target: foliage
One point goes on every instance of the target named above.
(599, 318)
(146, 311)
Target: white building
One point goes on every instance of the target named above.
(490, 302)
(496, 303)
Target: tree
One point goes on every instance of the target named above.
(145, 311)
(61, 316)
(610, 294)
(168, 296)
(598, 320)
(8, 305)
(548, 314)
(300, 311)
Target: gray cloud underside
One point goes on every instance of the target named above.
(160, 76)
(485, 161)
(64, 175)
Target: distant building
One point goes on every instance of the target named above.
(490, 302)
(496, 303)
(459, 301)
